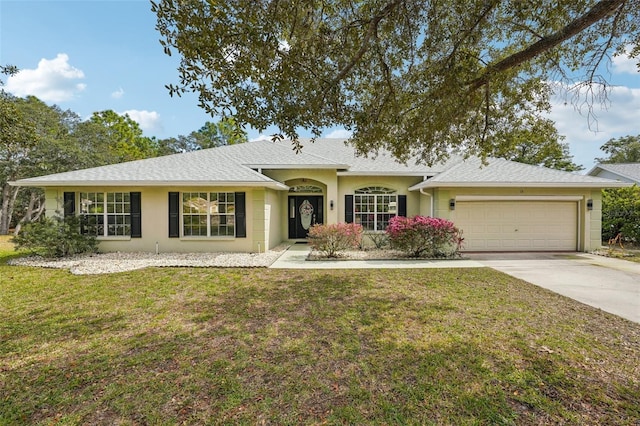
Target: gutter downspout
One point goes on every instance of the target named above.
(430, 197)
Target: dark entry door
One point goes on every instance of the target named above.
(304, 212)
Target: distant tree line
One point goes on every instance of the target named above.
(37, 139)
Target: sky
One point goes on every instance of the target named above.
(96, 55)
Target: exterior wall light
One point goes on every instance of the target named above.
(331, 204)
(589, 204)
(452, 204)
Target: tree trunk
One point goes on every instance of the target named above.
(9, 195)
(34, 210)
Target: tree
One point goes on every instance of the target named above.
(53, 152)
(621, 213)
(224, 132)
(37, 139)
(211, 135)
(621, 206)
(539, 144)
(42, 147)
(625, 149)
(17, 139)
(123, 136)
(414, 77)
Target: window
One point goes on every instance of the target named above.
(106, 213)
(208, 214)
(374, 206)
(307, 189)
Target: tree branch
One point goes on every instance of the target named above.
(483, 15)
(598, 12)
(371, 32)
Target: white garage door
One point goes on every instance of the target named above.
(518, 225)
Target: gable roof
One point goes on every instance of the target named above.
(629, 172)
(242, 165)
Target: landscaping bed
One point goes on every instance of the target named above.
(374, 254)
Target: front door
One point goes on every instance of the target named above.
(304, 212)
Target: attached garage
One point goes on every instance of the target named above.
(518, 225)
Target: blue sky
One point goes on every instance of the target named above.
(90, 55)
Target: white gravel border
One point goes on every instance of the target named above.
(107, 263)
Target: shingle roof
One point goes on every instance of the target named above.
(381, 164)
(191, 167)
(223, 165)
(499, 172)
(630, 171)
(240, 165)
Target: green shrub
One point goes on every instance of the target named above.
(621, 213)
(55, 237)
(334, 238)
(422, 236)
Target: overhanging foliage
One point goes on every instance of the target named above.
(417, 78)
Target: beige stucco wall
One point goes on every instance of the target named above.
(325, 179)
(595, 221)
(276, 213)
(589, 221)
(266, 209)
(334, 190)
(265, 232)
(262, 206)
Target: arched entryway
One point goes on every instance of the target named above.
(305, 207)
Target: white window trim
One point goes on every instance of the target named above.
(208, 215)
(384, 191)
(105, 215)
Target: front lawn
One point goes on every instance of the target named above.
(259, 346)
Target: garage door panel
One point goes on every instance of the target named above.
(539, 244)
(517, 225)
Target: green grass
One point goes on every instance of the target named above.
(253, 346)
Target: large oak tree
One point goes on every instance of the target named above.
(415, 77)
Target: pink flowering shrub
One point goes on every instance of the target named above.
(331, 239)
(422, 236)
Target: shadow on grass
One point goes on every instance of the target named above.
(297, 348)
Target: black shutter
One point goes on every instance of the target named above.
(136, 215)
(174, 214)
(348, 208)
(69, 204)
(402, 205)
(241, 220)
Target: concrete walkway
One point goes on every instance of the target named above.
(610, 284)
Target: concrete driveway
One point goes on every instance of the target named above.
(612, 285)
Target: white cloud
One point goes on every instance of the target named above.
(339, 134)
(118, 93)
(623, 64)
(587, 132)
(149, 121)
(261, 137)
(52, 81)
